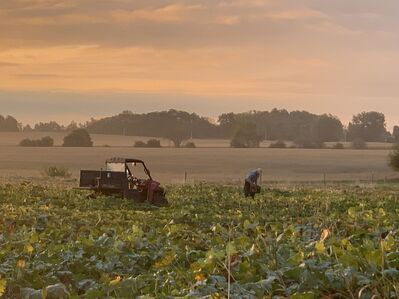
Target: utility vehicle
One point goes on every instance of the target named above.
(120, 178)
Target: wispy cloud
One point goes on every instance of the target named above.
(7, 64)
(38, 76)
(172, 13)
(298, 14)
(285, 50)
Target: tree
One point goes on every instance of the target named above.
(245, 136)
(27, 128)
(47, 141)
(338, 145)
(369, 126)
(51, 126)
(327, 128)
(359, 143)
(190, 145)
(394, 158)
(395, 133)
(308, 143)
(140, 143)
(154, 143)
(177, 135)
(72, 126)
(278, 144)
(78, 138)
(8, 124)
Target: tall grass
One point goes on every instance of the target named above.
(55, 171)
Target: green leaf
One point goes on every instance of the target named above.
(296, 259)
(391, 273)
(306, 295)
(320, 248)
(231, 249)
(29, 293)
(3, 285)
(374, 257)
(352, 212)
(57, 291)
(34, 238)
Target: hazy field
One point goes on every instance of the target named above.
(210, 164)
(13, 138)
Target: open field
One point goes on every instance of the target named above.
(209, 243)
(14, 138)
(207, 164)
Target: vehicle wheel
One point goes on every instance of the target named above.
(160, 199)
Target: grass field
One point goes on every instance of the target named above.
(209, 243)
(207, 164)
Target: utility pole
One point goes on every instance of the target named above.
(191, 129)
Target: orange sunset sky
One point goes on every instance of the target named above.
(75, 59)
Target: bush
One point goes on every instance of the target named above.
(190, 145)
(27, 142)
(245, 136)
(54, 171)
(154, 143)
(338, 145)
(44, 142)
(394, 158)
(78, 138)
(359, 143)
(237, 143)
(278, 144)
(309, 144)
(140, 143)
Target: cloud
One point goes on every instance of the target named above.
(246, 3)
(299, 14)
(245, 48)
(38, 76)
(7, 64)
(173, 13)
(227, 20)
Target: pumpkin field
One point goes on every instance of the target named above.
(210, 242)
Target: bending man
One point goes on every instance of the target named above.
(251, 186)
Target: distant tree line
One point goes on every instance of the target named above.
(52, 126)
(302, 127)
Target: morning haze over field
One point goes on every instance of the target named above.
(71, 60)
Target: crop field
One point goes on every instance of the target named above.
(210, 241)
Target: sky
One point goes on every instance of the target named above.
(76, 59)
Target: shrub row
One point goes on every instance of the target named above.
(44, 142)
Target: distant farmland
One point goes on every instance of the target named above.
(101, 140)
(207, 164)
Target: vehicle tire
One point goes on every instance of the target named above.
(160, 199)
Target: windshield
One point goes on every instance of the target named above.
(120, 167)
(137, 170)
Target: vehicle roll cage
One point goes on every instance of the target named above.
(126, 161)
